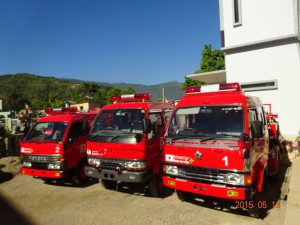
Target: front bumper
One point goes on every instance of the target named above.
(206, 189)
(43, 173)
(124, 176)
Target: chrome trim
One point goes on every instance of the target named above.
(40, 158)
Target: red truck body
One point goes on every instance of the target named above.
(217, 144)
(125, 143)
(55, 147)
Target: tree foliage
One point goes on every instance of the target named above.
(190, 82)
(211, 60)
(41, 92)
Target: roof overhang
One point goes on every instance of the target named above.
(214, 77)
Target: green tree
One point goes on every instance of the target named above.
(42, 92)
(129, 90)
(190, 82)
(211, 60)
(118, 91)
(16, 100)
(37, 104)
(88, 89)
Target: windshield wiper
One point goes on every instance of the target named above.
(93, 136)
(219, 136)
(40, 141)
(115, 137)
(187, 136)
(97, 133)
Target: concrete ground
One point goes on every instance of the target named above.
(28, 201)
(292, 215)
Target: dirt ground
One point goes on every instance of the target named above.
(29, 201)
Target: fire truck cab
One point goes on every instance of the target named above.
(55, 147)
(217, 144)
(125, 142)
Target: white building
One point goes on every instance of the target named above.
(260, 39)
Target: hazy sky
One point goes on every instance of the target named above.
(133, 41)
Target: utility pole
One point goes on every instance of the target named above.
(163, 92)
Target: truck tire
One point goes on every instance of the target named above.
(156, 186)
(185, 196)
(53, 181)
(277, 149)
(48, 180)
(79, 177)
(108, 184)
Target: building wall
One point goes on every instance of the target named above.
(279, 62)
(261, 20)
(253, 52)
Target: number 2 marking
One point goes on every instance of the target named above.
(225, 160)
(57, 149)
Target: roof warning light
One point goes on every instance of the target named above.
(131, 98)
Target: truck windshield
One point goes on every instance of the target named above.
(207, 122)
(117, 123)
(47, 131)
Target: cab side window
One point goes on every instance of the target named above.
(261, 114)
(257, 114)
(167, 114)
(252, 116)
(156, 123)
(77, 130)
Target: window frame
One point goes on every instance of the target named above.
(236, 7)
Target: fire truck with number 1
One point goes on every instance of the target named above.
(218, 144)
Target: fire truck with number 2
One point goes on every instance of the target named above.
(55, 147)
(125, 143)
(220, 143)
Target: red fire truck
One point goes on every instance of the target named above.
(55, 147)
(125, 143)
(217, 144)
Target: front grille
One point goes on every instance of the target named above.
(203, 174)
(110, 165)
(39, 166)
(40, 158)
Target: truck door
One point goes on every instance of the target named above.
(153, 143)
(76, 143)
(265, 139)
(260, 145)
(259, 149)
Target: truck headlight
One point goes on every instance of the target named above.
(171, 169)
(52, 166)
(234, 178)
(94, 162)
(27, 164)
(135, 165)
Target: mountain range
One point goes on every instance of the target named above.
(172, 89)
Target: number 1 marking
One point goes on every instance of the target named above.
(226, 160)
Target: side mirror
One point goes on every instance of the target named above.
(148, 126)
(257, 129)
(244, 137)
